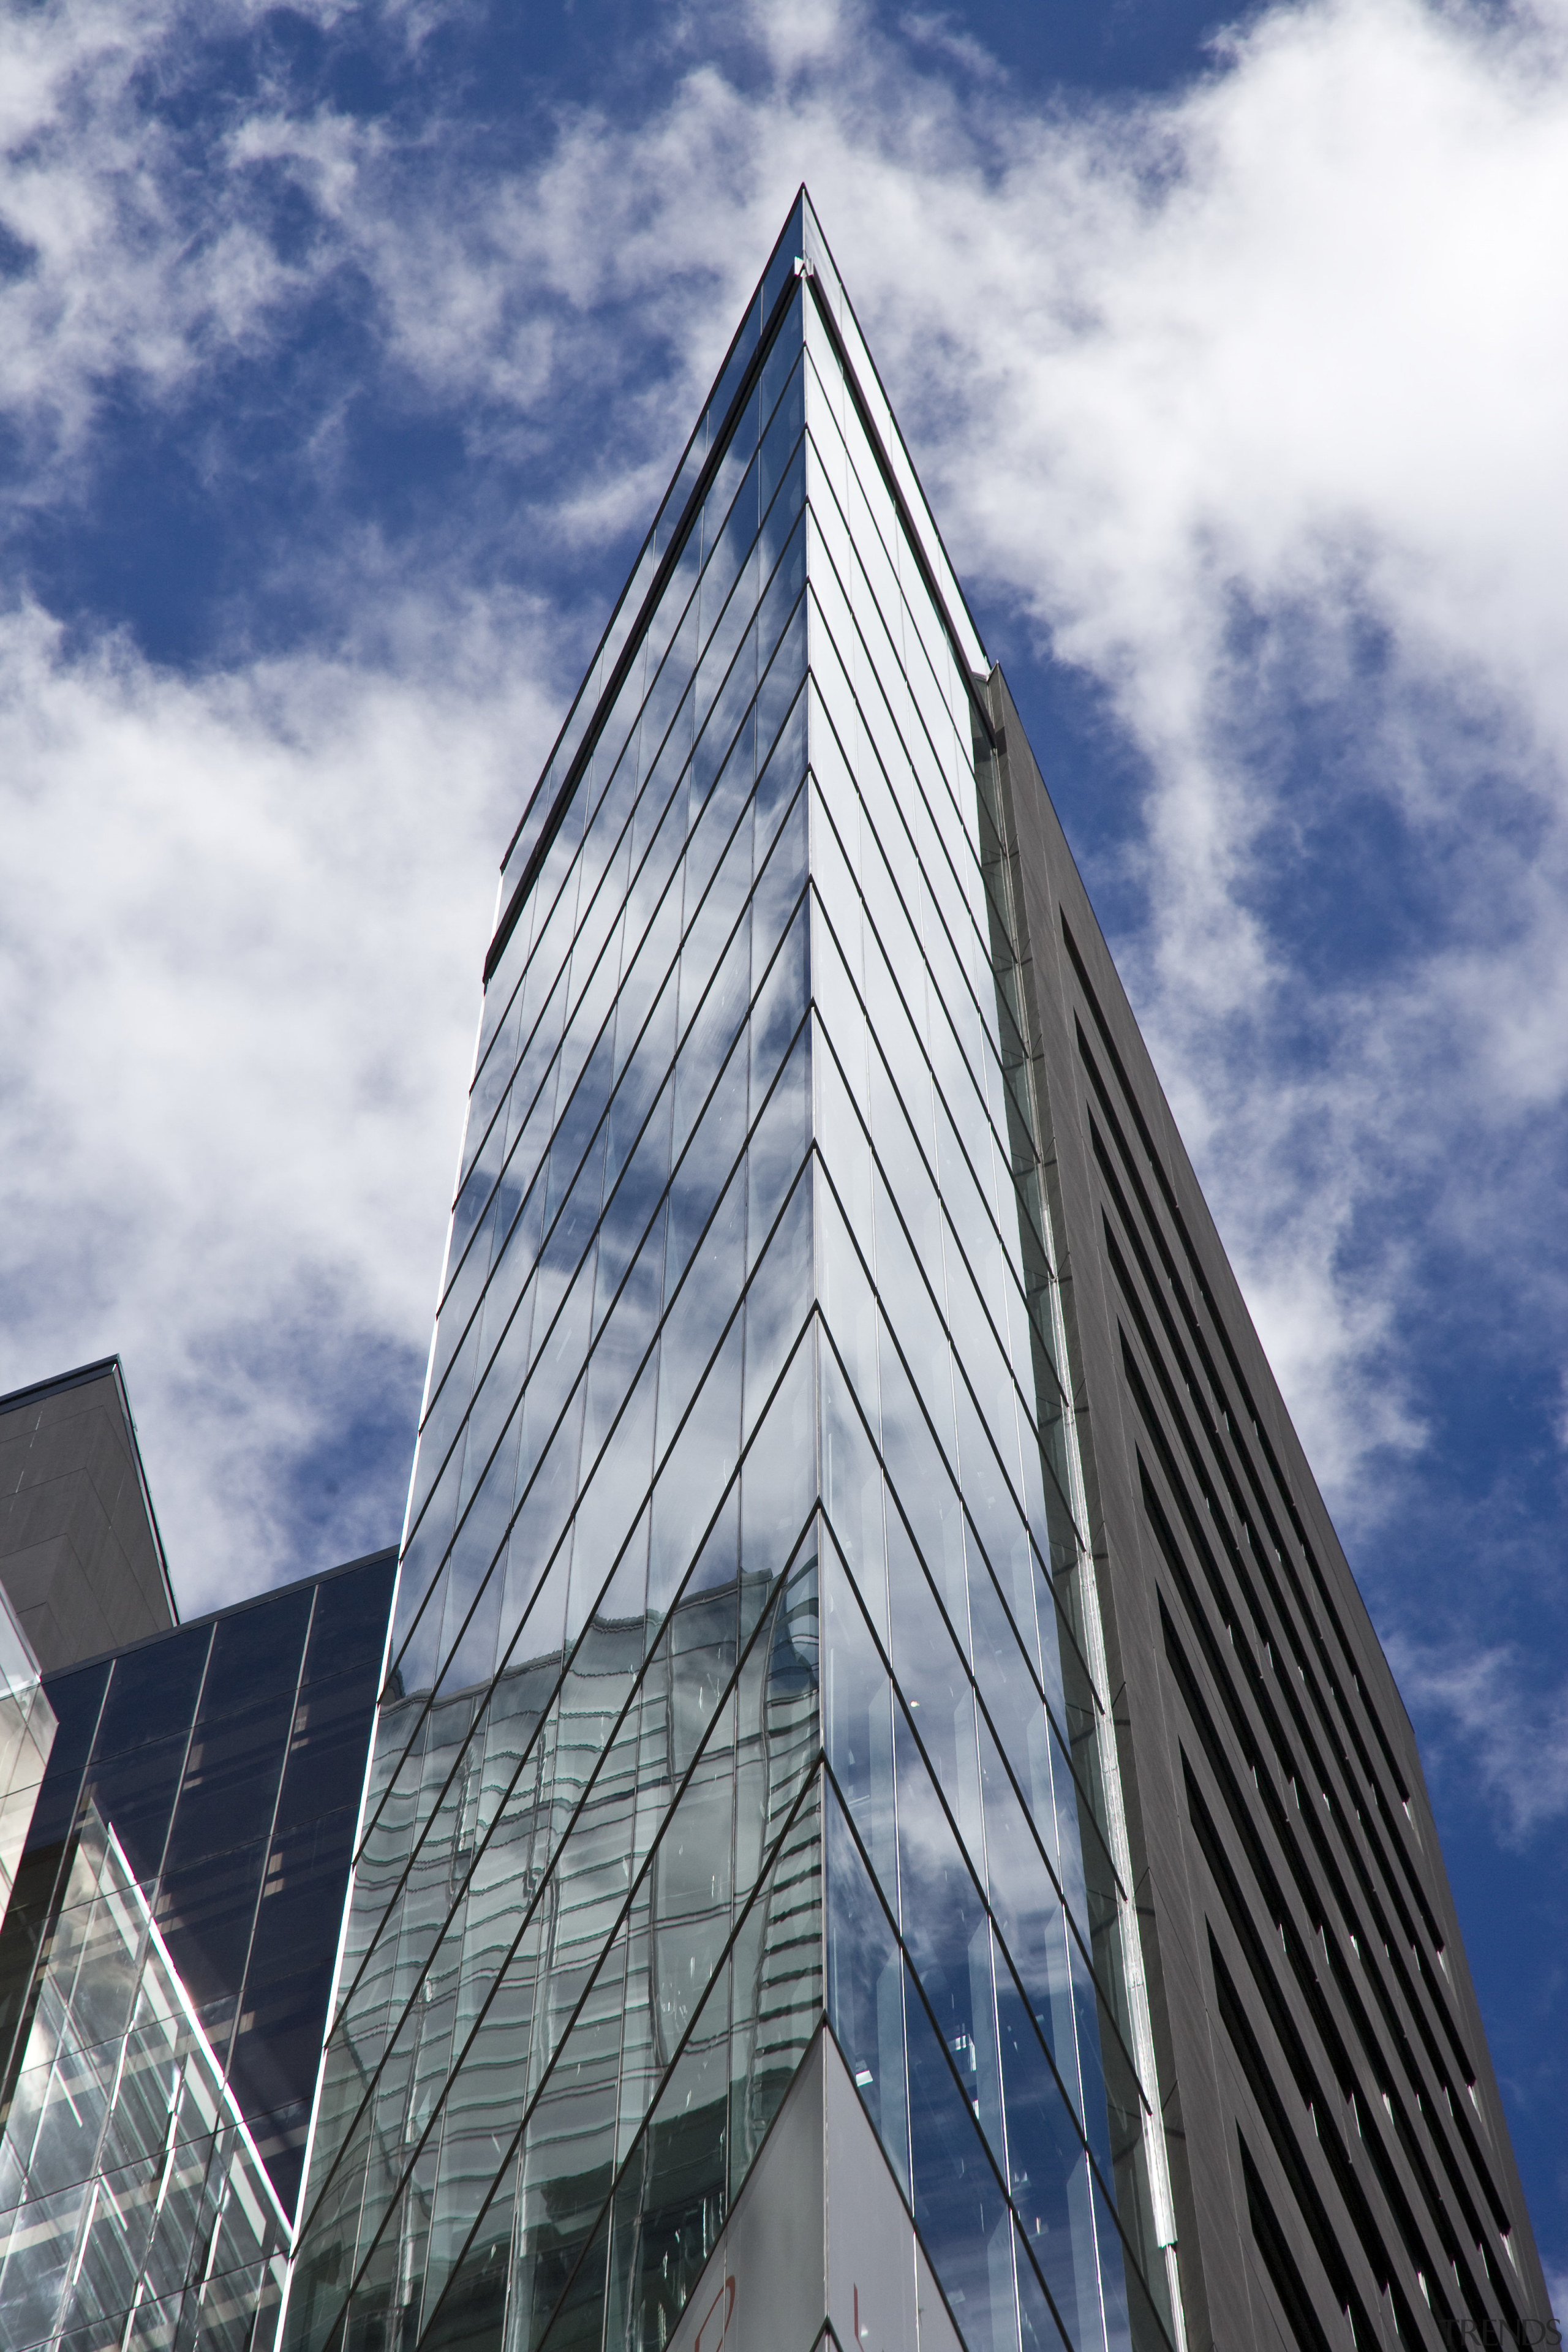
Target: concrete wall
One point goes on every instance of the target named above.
(1341, 2163)
(820, 2242)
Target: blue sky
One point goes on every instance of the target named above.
(344, 354)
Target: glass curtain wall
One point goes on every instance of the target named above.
(585, 1952)
(977, 1962)
(27, 1736)
(730, 1678)
(140, 2210)
(165, 1970)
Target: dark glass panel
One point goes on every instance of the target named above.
(327, 1750)
(231, 1780)
(153, 1692)
(273, 2063)
(134, 1793)
(206, 1911)
(302, 1894)
(349, 1627)
(77, 1699)
(279, 2139)
(255, 1654)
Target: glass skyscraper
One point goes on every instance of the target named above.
(857, 1579)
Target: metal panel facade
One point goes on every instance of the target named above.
(1339, 2157)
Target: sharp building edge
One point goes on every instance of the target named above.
(887, 1822)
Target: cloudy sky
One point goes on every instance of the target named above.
(343, 353)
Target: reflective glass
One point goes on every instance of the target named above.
(147, 2174)
(751, 1265)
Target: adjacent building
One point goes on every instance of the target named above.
(888, 1818)
(81, 1561)
(27, 1736)
(165, 1963)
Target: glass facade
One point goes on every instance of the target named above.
(746, 1666)
(27, 1736)
(166, 1965)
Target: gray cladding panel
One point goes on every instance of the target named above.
(819, 2239)
(79, 1554)
(1322, 1862)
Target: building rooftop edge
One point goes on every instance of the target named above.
(108, 1368)
(58, 1383)
(231, 1608)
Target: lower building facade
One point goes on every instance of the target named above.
(164, 1968)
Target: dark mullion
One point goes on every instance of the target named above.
(1062, 1625)
(901, 666)
(1030, 1408)
(1001, 1142)
(583, 1483)
(604, 881)
(981, 942)
(621, 1916)
(1068, 1912)
(937, 1305)
(667, 565)
(548, 1713)
(635, 2152)
(745, 810)
(876, 1886)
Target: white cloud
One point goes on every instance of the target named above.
(238, 996)
(118, 274)
(1511, 1733)
(1217, 389)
